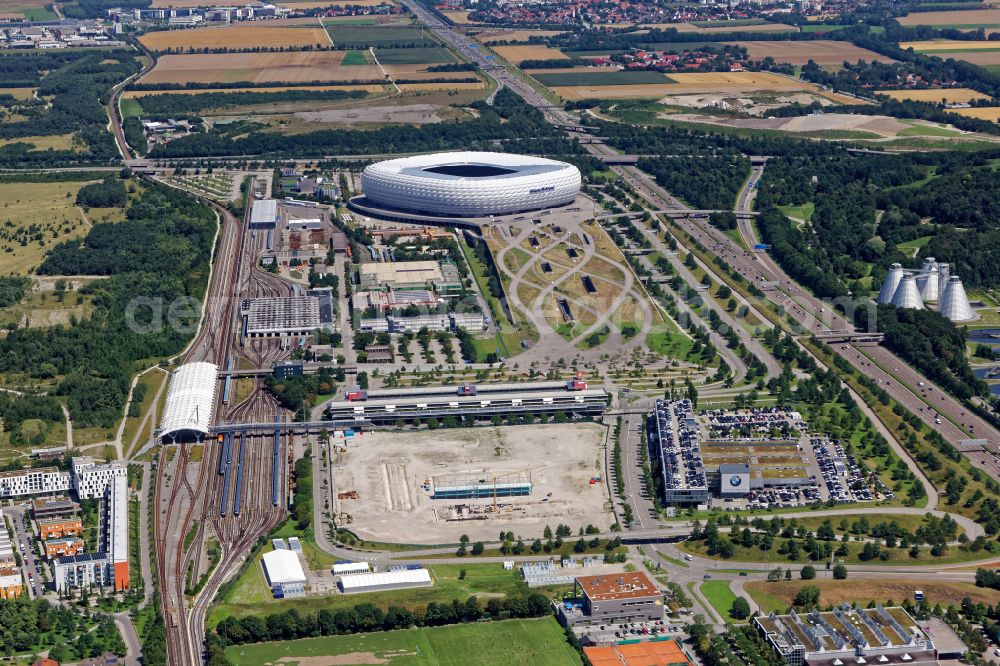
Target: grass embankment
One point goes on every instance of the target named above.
(718, 594)
(250, 594)
(528, 642)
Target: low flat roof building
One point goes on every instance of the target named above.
(57, 529)
(629, 596)
(11, 583)
(386, 580)
(848, 636)
(291, 316)
(62, 547)
(264, 214)
(54, 507)
(401, 275)
(117, 526)
(284, 573)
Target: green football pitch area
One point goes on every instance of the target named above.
(528, 642)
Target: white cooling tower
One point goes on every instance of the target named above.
(889, 285)
(954, 303)
(944, 272)
(907, 295)
(929, 263)
(928, 285)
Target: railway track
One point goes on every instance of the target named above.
(194, 490)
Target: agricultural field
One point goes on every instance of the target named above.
(689, 83)
(778, 596)
(983, 113)
(951, 95)
(35, 217)
(33, 10)
(760, 27)
(821, 51)
(385, 36)
(458, 16)
(525, 642)
(830, 125)
(943, 46)
(51, 142)
(969, 19)
(18, 93)
(580, 77)
(515, 54)
(278, 68)
(429, 55)
(312, 4)
(238, 36)
(513, 35)
(139, 94)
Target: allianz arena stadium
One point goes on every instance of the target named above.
(470, 184)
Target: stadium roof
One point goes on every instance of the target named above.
(190, 399)
(283, 566)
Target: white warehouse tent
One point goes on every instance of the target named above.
(190, 399)
(386, 580)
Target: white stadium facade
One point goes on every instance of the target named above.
(469, 184)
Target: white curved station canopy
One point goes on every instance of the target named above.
(190, 398)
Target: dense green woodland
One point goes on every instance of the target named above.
(704, 182)
(80, 83)
(109, 193)
(12, 289)
(163, 258)
(510, 121)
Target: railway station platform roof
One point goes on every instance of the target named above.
(190, 399)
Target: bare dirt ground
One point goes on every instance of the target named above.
(387, 471)
(880, 125)
(417, 114)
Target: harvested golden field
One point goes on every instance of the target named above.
(968, 18)
(820, 51)
(513, 35)
(419, 73)
(936, 45)
(458, 16)
(18, 93)
(138, 94)
(981, 58)
(238, 36)
(687, 83)
(515, 54)
(835, 592)
(178, 4)
(277, 68)
(983, 113)
(417, 87)
(953, 95)
(313, 4)
(52, 141)
(763, 27)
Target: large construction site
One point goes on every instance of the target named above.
(432, 487)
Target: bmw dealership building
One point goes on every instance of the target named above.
(467, 185)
